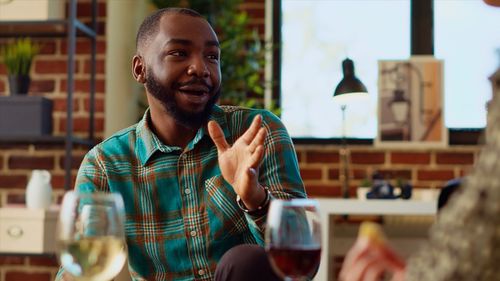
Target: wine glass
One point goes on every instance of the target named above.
(293, 238)
(91, 235)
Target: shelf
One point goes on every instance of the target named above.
(48, 28)
(43, 140)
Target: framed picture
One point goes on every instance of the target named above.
(410, 104)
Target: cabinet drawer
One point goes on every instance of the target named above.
(27, 231)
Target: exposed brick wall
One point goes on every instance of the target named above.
(49, 78)
(320, 166)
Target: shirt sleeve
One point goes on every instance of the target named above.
(279, 170)
(91, 177)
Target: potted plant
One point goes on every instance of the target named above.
(17, 57)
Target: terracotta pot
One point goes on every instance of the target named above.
(19, 84)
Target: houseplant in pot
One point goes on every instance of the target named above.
(17, 57)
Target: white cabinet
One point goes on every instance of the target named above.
(27, 231)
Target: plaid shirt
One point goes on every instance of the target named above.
(181, 215)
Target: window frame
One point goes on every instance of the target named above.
(421, 42)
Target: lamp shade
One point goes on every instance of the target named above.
(350, 86)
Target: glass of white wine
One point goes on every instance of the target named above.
(91, 236)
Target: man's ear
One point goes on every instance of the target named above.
(139, 69)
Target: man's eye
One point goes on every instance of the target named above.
(213, 57)
(178, 53)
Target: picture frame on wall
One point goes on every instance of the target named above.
(410, 103)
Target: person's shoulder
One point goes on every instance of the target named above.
(245, 113)
(119, 141)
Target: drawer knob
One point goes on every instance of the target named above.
(15, 231)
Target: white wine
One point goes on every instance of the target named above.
(93, 258)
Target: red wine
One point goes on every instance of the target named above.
(295, 261)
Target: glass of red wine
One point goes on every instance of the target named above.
(293, 238)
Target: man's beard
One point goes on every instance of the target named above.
(166, 96)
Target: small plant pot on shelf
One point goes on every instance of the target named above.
(19, 84)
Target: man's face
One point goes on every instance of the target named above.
(183, 69)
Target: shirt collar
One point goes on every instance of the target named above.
(148, 143)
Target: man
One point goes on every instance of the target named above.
(196, 178)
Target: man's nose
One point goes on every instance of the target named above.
(198, 67)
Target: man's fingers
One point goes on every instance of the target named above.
(250, 133)
(257, 156)
(217, 135)
(258, 140)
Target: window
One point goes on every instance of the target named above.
(318, 35)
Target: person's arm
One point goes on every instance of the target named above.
(90, 177)
(263, 156)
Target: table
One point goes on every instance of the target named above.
(330, 207)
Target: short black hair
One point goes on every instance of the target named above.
(150, 25)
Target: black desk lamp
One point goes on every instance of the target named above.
(349, 88)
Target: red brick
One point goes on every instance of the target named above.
(75, 161)
(60, 104)
(333, 174)
(13, 181)
(367, 157)
(31, 162)
(3, 69)
(455, 158)
(299, 156)
(310, 173)
(464, 172)
(53, 66)
(57, 181)
(81, 124)
(3, 87)
(410, 158)
(98, 105)
(99, 67)
(84, 10)
(44, 261)
(42, 86)
(395, 174)
(255, 12)
(83, 46)
(322, 157)
(48, 47)
(83, 85)
(359, 174)
(11, 260)
(101, 26)
(316, 190)
(16, 198)
(442, 175)
(24, 276)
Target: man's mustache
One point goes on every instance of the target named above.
(194, 82)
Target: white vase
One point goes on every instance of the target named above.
(39, 190)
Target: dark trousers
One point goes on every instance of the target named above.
(245, 263)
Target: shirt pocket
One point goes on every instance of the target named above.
(225, 217)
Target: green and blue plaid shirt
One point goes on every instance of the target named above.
(181, 215)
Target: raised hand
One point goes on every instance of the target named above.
(240, 162)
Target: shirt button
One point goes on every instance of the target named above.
(187, 191)
(201, 272)
(192, 233)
